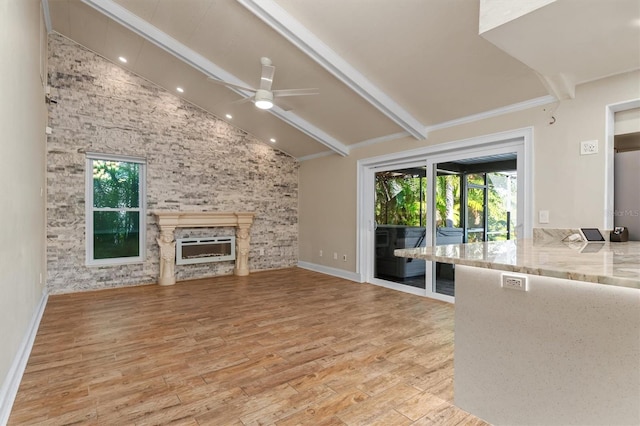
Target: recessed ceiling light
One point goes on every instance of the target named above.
(229, 116)
(180, 89)
(272, 140)
(122, 59)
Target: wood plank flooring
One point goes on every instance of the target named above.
(284, 347)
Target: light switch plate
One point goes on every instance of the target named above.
(543, 216)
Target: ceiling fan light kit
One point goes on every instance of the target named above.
(264, 99)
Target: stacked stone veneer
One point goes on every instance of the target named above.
(195, 162)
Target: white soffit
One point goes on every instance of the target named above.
(568, 42)
(149, 32)
(281, 21)
(494, 13)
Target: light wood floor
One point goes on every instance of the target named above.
(281, 347)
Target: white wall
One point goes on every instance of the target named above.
(627, 121)
(22, 177)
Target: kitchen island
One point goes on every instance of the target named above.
(558, 344)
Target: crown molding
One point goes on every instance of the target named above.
(292, 30)
(531, 103)
(149, 32)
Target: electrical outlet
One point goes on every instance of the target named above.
(320, 253)
(588, 147)
(261, 251)
(344, 257)
(335, 256)
(514, 282)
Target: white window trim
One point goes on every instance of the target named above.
(610, 127)
(89, 260)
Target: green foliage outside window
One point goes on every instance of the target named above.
(501, 199)
(116, 209)
(401, 200)
(448, 201)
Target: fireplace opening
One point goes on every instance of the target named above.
(203, 250)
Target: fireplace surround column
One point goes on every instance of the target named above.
(167, 245)
(170, 220)
(242, 250)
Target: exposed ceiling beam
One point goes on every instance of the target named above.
(149, 32)
(287, 26)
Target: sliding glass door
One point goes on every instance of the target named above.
(476, 200)
(444, 195)
(448, 225)
(400, 222)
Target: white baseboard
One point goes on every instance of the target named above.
(340, 273)
(11, 383)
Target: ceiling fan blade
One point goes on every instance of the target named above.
(283, 105)
(243, 100)
(266, 79)
(295, 92)
(226, 83)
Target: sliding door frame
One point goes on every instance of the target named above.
(371, 177)
(519, 140)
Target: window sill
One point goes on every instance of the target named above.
(114, 262)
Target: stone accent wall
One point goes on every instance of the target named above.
(195, 162)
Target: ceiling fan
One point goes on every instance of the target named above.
(263, 97)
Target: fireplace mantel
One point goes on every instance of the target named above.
(168, 221)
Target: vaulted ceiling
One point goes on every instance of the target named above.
(384, 68)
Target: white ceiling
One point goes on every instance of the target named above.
(385, 68)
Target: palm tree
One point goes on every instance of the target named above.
(400, 199)
(448, 199)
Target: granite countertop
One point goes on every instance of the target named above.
(616, 264)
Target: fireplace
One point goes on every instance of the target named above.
(203, 250)
(170, 220)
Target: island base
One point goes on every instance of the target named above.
(562, 353)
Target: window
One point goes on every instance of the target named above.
(115, 213)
